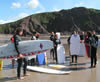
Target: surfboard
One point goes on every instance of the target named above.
(82, 50)
(27, 48)
(47, 70)
(75, 45)
(57, 66)
(61, 54)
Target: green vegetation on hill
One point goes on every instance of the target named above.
(79, 18)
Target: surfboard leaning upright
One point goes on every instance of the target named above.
(29, 46)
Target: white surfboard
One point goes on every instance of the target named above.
(47, 70)
(61, 54)
(82, 49)
(57, 66)
(75, 45)
(58, 34)
(26, 48)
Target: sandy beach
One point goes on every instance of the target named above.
(80, 72)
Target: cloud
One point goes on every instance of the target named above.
(41, 9)
(4, 21)
(16, 5)
(55, 9)
(33, 4)
(22, 15)
(79, 4)
(38, 12)
(12, 19)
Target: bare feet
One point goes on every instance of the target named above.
(27, 74)
(20, 78)
(94, 66)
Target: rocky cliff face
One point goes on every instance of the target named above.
(81, 19)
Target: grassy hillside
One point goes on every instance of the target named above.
(80, 18)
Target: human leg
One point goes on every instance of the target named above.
(19, 67)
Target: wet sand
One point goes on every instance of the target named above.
(80, 72)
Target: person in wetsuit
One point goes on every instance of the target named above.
(20, 59)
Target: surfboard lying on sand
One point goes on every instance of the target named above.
(57, 66)
(47, 70)
(27, 48)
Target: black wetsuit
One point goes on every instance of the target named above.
(52, 50)
(93, 44)
(17, 39)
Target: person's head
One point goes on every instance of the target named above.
(52, 33)
(82, 33)
(89, 33)
(19, 31)
(56, 36)
(34, 33)
(94, 32)
(75, 32)
(37, 35)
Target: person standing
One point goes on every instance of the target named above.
(56, 42)
(37, 35)
(74, 46)
(94, 46)
(87, 44)
(52, 50)
(20, 59)
(33, 36)
(31, 59)
(82, 44)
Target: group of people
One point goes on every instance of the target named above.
(90, 40)
(82, 42)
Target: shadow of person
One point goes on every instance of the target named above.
(74, 68)
(78, 68)
(5, 79)
(6, 67)
(78, 64)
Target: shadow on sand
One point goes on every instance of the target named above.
(5, 79)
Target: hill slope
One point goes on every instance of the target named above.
(80, 18)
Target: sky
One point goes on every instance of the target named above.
(12, 10)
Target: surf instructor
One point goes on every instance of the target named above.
(20, 59)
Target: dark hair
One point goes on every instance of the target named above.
(89, 33)
(18, 30)
(34, 33)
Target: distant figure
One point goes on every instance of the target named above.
(82, 44)
(74, 46)
(68, 41)
(94, 46)
(33, 36)
(87, 44)
(82, 36)
(56, 42)
(37, 35)
(31, 60)
(52, 50)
